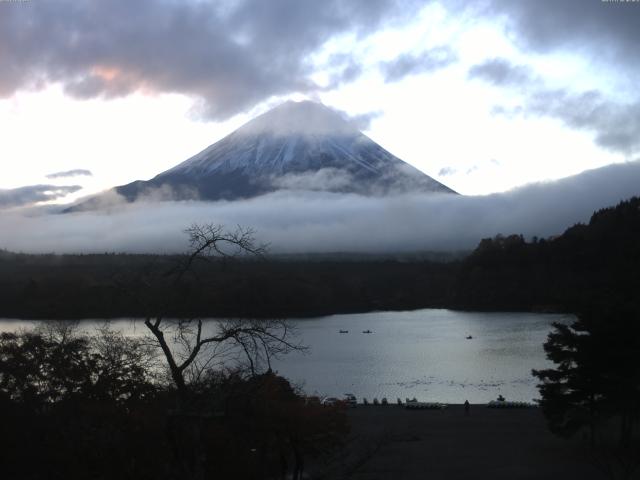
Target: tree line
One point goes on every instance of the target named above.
(506, 272)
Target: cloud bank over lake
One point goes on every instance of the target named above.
(311, 221)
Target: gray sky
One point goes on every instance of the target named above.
(496, 93)
(485, 96)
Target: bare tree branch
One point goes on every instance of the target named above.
(194, 349)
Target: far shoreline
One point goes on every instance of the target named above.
(301, 316)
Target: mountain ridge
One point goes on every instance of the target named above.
(294, 146)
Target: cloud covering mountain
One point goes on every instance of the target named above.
(306, 221)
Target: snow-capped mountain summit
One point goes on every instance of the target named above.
(287, 138)
(295, 146)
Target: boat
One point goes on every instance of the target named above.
(469, 337)
(366, 331)
(344, 331)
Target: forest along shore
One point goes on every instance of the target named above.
(505, 273)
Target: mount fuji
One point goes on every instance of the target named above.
(295, 146)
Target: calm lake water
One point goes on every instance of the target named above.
(421, 353)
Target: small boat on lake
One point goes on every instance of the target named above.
(366, 331)
(469, 337)
(344, 331)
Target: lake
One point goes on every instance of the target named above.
(422, 353)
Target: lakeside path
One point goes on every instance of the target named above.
(390, 442)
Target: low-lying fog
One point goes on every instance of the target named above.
(313, 221)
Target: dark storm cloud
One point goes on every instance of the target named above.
(412, 64)
(607, 33)
(343, 68)
(610, 30)
(616, 125)
(228, 54)
(31, 194)
(501, 72)
(78, 172)
(348, 73)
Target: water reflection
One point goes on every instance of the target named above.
(422, 353)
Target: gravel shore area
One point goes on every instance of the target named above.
(390, 442)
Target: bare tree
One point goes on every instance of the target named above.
(189, 345)
(192, 347)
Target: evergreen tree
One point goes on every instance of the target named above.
(596, 379)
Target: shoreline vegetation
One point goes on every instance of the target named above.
(560, 274)
(211, 404)
(126, 421)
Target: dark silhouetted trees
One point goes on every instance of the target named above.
(74, 406)
(562, 273)
(56, 366)
(595, 384)
(507, 272)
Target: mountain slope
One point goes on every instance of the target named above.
(295, 146)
